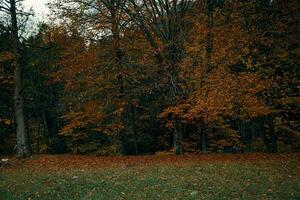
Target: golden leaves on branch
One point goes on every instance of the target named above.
(90, 116)
(223, 95)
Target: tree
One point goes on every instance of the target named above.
(163, 24)
(6, 97)
(10, 7)
(224, 88)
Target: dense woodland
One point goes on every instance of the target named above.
(126, 77)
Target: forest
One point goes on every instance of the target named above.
(143, 77)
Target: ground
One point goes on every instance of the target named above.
(239, 176)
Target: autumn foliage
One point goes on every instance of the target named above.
(140, 77)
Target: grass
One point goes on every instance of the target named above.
(164, 177)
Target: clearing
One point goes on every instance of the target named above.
(238, 176)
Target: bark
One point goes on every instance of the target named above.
(22, 146)
(274, 148)
(134, 128)
(45, 123)
(28, 136)
(202, 133)
(38, 139)
(204, 142)
(177, 140)
(270, 136)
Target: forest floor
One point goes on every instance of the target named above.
(221, 176)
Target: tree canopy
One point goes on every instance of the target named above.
(119, 77)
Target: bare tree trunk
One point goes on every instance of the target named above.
(22, 146)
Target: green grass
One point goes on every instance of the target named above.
(212, 180)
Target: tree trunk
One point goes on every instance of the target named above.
(117, 51)
(204, 142)
(270, 136)
(113, 7)
(38, 139)
(22, 146)
(209, 47)
(177, 139)
(28, 136)
(45, 124)
(273, 136)
(274, 148)
(203, 135)
(134, 128)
